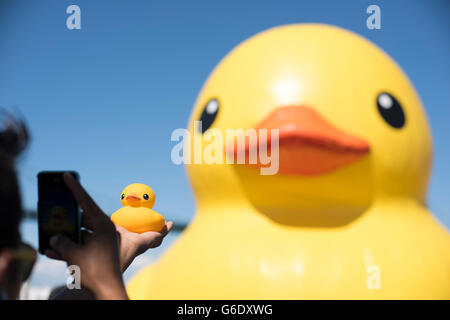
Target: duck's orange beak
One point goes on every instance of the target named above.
(308, 144)
(133, 197)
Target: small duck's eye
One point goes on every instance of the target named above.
(145, 196)
(391, 110)
(123, 196)
(209, 114)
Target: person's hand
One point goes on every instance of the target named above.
(98, 257)
(133, 244)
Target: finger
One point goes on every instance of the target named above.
(153, 239)
(63, 246)
(81, 196)
(86, 235)
(149, 236)
(120, 229)
(156, 242)
(52, 254)
(94, 216)
(153, 235)
(167, 227)
(86, 221)
(119, 239)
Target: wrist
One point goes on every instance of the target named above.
(110, 290)
(127, 255)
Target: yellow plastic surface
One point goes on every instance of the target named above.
(310, 237)
(137, 214)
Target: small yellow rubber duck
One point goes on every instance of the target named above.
(137, 215)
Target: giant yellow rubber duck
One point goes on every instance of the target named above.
(137, 215)
(346, 216)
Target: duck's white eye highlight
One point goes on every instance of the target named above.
(209, 114)
(385, 101)
(390, 110)
(212, 106)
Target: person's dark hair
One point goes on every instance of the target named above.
(13, 140)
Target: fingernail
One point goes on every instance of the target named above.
(68, 175)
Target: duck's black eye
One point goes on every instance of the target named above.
(391, 110)
(123, 196)
(145, 196)
(209, 114)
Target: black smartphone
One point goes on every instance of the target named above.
(58, 212)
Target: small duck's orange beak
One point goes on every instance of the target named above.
(133, 197)
(308, 144)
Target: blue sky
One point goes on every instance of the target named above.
(105, 99)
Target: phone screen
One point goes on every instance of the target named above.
(58, 212)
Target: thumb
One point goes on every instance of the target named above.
(63, 246)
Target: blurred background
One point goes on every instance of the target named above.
(105, 99)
